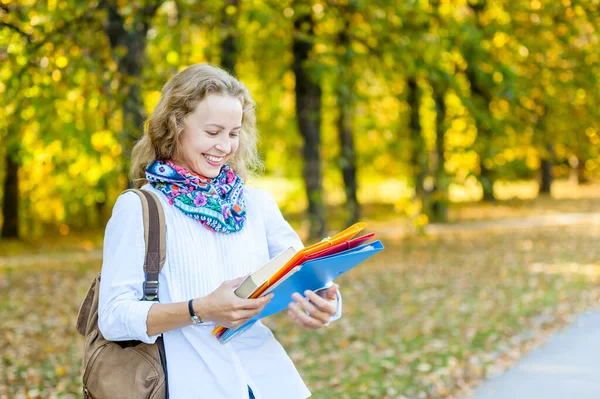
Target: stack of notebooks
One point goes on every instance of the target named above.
(312, 268)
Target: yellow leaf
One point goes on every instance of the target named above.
(500, 39)
(230, 10)
(497, 76)
(62, 61)
(173, 58)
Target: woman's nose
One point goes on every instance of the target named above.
(224, 144)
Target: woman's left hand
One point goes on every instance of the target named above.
(314, 314)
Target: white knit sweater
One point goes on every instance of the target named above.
(198, 261)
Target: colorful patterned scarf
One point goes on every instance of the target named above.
(217, 203)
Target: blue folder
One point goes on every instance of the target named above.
(311, 275)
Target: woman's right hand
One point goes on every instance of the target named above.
(225, 308)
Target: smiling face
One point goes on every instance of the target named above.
(210, 135)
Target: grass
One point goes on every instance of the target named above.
(426, 318)
(54, 243)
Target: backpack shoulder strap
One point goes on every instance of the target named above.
(155, 239)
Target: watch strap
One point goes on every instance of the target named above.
(195, 318)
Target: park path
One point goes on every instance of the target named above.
(382, 230)
(567, 366)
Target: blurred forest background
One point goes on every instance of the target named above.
(428, 116)
(415, 104)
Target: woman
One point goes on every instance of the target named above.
(198, 147)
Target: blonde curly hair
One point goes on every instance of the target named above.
(179, 98)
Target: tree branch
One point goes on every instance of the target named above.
(18, 30)
(35, 46)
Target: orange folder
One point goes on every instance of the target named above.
(300, 256)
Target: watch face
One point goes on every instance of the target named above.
(196, 320)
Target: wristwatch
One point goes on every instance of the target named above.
(195, 318)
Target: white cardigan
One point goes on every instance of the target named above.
(198, 261)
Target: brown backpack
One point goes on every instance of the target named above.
(127, 369)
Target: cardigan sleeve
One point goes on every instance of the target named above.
(280, 236)
(121, 314)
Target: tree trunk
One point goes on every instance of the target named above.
(228, 45)
(133, 118)
(308, 114)
(546, 170)
(418, 158)
(486, 180)
(581, 174)
(130, 66)
(10, 205)
(439, 206)
(348, 159)
(345, 86)
(100, 201)
(483, 97)
(484, 136)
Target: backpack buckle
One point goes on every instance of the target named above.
(150, 290)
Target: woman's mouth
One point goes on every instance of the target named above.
(212, 160)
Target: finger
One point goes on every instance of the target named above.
(326, 305)
(297, 321)
(243, 318)
(302, 323)
(311, 309)
(292, 316)
(236, 320)
(257, 303)
(329, 293)
(305, 320)
(239, 323)
(248, 313)
(241, 315)
(235, 282)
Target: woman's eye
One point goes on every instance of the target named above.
(234, 134)
(212, 133)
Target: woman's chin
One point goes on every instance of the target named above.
(204, 168)
(209, 171)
